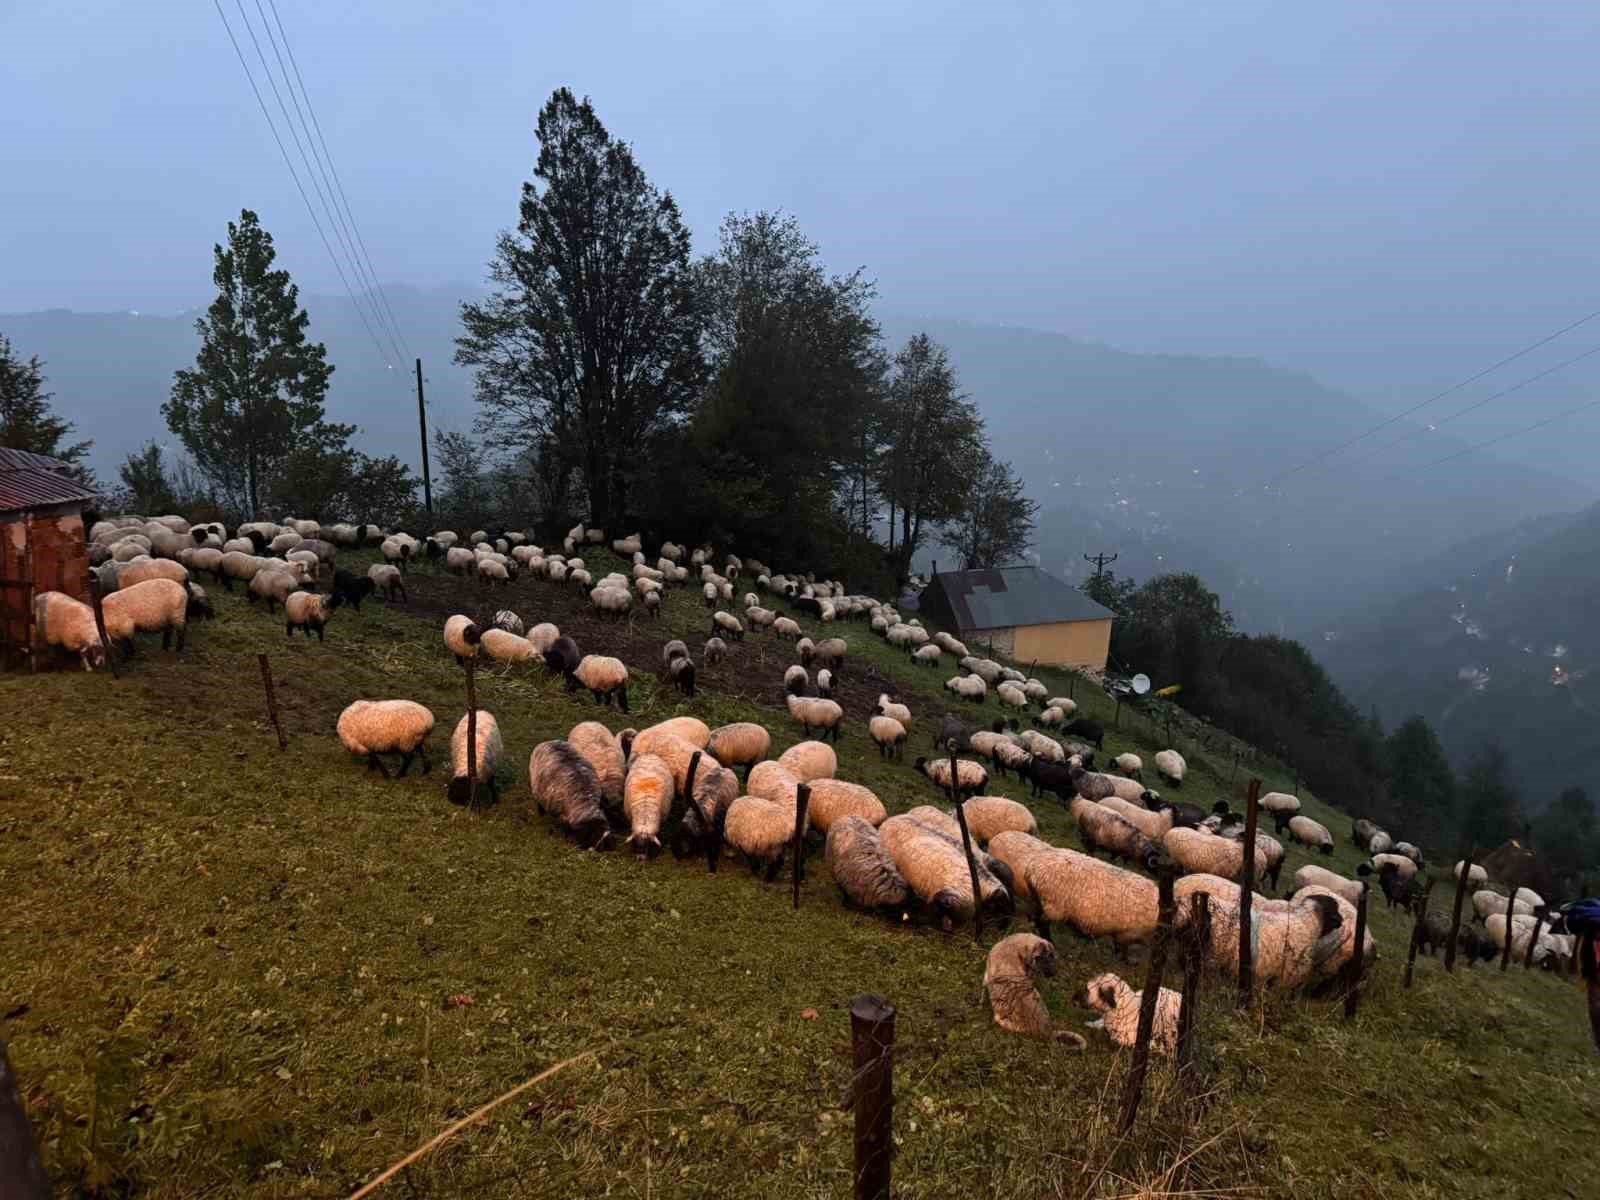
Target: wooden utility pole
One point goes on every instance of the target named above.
(1100, 561)
(422, 421)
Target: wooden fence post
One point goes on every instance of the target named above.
(100, 624)
(1416, 931)
(1538, 924)
(1247, 973)
(30, 635)
(872, 1093)
(1591, 978)
(472, 733)
(1133, 1086)
(1511, 907)
(272, 701)
(802, 798)
(1194, 959)
(1358, 959)
(966, 843)
(1455, 915)
(22, 1175)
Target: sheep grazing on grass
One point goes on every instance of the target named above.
(926, 656)
(786, 627)
(989, 816)
(741, 744)
(1198, 852)
(728, 624)
(611, 601)
(486, 756)
(601, 749)
(823, 716)
(1171, 766)
(796, 680)
(1486, 904)
(1154, 825)
(1011, 696)
(935, 866)
(1094, 898)
(68, 624)
(1068, 707)
(831, 652)
(153, 568)
(1090, 731)
(1381, 843)
(604, 678)
(1102, 829)
(1410, 851)
(154, 606)
(971, 778)
(825, 683)
(711, 790)
(273, 586)
(715, 651)
(461, 637)
(681, 672)
(543, 636)
(888, 708)
(388, 580)
(1476, 877)
(863, 869)
(309, 611)
(832, 800)
(889, 736)
(1119, 1007)
(563, 783)
(968, 687)
(810, 760)
(1282, 806)
(561, 656)
(1348, 890)
(199, 604)
(647, 794)
(1008, 977)
(761, 830)
(1050, 718)
(508, 648)
(1310, 833)
(369, 728)
(509, 621)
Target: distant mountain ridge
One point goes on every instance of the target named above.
(1142, 455)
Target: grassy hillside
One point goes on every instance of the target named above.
(228, 967)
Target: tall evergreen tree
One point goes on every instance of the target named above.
(590, 342)
(258, 384)
(1422, 785)
(1491, 811)
(27, 421)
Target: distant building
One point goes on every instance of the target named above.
(1021, 613)
(42, 543)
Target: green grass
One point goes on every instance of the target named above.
(226, 969)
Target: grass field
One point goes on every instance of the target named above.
(227, 969)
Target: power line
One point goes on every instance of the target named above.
(337, 181)
(1551, 420)
(295, 175)
(1440, 395)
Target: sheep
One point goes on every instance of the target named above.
(1198, 852)
(968, 687)
(825, 683)
(1486, 904)
(971, 778)
(309, 611)
(831, 652)
(1403, 866)
(543, 636)
(889, 736)
(1007, 674)
(708, 793)
(603, 752)
(508, 648)
(1008, 979)
(761, 830)
(1410, 851)
(1011, 696)
(1044, 747)
(1119, 1006)
(1129, 764)
(273, 586)
(1310, 875)
(604, 677)
(1154, 825)
(372, 727)
(1006, 754)
(493, 572)
(1281, 805)
(1171, 766)
(153, 568)
(386, 578)
(156, 605)
(807, 761)
(562, 655)
(1295, 942)
(888, 708)
(985, 669)
(709, 591)
(715, 651)
(741, 744)
(936, 868)
(681, 672)
(926, 656)
(69, 624)
(461, 637)
(612, 601)
(1094, 898)
(1102, 829)
(786, 627)
(805, 648)
(949, 644)
(1381, 843)
(351, 587)
(815, 714)
(486, 755)
(1311, 833)
(563, 782)
(647, 794)
(863, 869)
(832, 800)
(1068, 707)
(988, 816)
(1477, 876)
(796, 680)
(1090, 731)
(727, 623)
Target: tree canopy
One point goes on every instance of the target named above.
(27, 420)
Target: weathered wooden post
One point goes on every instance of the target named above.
(1194, 960)
(1247, 972)
(100, 624)
(22, 1174)
(1417, 927)
(472, 733)
(1591, 978)
(272, 701)
(966, 844)
(1538, 924)
(872, 1093)
(1358, 959)
(1511, 907)
(1455, 915)
(1133, 1086)
(802, 798)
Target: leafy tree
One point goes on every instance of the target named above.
(27, 421)
(463, 492)
(1105, 588)
(256, 391)
(1567, 835)
(1491, 811)
(590, 342)
(934, 448)
(336, 480)
(146, 486)
(996, 523)
(1421, 783)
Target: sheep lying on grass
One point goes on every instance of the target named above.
(1119, 1007)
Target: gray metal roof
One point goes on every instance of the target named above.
(1012, 596)
(29, 480)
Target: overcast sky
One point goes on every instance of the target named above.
(1387, 194)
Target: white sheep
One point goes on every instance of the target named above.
(604, 677)
(68, 623)
(369, 728)
(462, 636)
(156, 605)
(1119, 1007)
(487, 750)
(1171, 766)
(826, 716)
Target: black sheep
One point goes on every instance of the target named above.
(682, 672)
(1089, 731)
(1046, 776)
(563, 656)
(809, 604)
(1186, 816)
(351, 588)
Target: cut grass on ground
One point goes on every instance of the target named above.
(227, 969)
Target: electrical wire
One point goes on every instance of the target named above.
(1498, 438)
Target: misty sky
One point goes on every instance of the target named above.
(1386, 195)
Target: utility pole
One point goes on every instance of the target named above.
(1100, 561)
(422, 420)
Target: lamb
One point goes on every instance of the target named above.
(971, 778)
(69, 624)
(1102, 829)
(562, 782)
(833, 800)
(309, 611)
(968, 687)
(1011, 696)
(889, 735)
(862, 868)
(1119, 1005)
(1171, 766)
(741, 744)
(807, 761)
(647, 794)
(888, 708)
(561, 656)
(935, 866)
(825, 716)
(1348, 890)
(1008, 978)
(604, 677)
(603, 752)
(988, 816)
(1198, 852)
(486, 754)
(372, 727)
(156, 605)
(461, 637)
(1311, 833)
